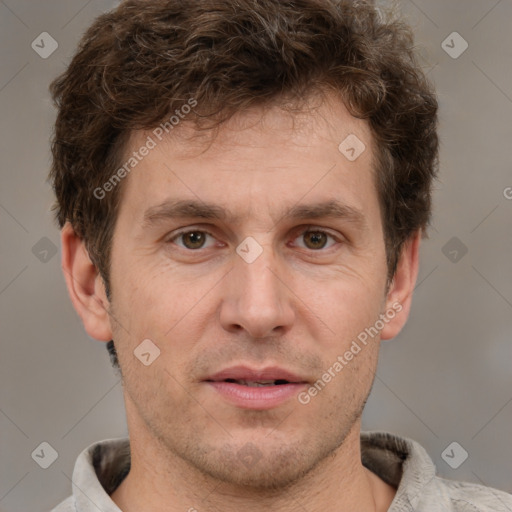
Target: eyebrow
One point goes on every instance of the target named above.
(172, 209)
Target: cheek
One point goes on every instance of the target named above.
(342, 306)
(145, 299)
(156, 394)
(165, 306)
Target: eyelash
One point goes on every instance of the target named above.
(309, 229)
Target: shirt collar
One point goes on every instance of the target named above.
(400, 462)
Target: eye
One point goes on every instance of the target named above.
(315, 239)
(192, 239)
(195, 239)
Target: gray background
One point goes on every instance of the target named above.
(447, 377)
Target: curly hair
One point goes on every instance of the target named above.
(143, 60)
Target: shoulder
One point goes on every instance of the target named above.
(404, 464)
(68, 505)
(470, 497)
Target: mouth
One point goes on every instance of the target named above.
(253, 377)
(256, 384)
(249, 388)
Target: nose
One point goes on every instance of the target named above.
(257, 298)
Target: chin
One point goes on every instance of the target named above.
(260, 469)
(269, 473)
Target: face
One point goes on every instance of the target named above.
(270, 275)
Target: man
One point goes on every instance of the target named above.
(242, 189)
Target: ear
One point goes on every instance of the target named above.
(85, 285)
(399, 296)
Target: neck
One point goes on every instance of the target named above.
(161, 481)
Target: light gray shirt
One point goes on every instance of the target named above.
(399, 461)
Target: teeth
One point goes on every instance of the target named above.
(257, 384)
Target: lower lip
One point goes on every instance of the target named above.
(263, 397)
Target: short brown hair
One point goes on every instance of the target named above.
(140, 62)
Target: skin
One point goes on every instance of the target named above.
(296, 306)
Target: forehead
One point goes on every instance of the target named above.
(257, 158)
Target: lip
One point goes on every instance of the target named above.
(260, 398)
(247, 373)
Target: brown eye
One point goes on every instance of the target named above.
(191, 240)
(315, 239)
